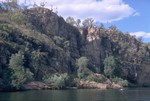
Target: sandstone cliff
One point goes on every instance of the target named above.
(50, 45)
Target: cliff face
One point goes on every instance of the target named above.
(64, 35)
(47, 40)
(133, 56)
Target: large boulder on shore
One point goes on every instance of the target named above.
(95, 85)
(35, 85)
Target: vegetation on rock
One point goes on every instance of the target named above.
(38, 45)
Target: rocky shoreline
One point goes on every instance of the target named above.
(95, 85)
(83, 84)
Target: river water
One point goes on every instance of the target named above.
(129, 94)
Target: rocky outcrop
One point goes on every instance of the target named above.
(58, 44)
(95, 85)
(133, 56)
(143, 75)
(64, 36)
(35, 85)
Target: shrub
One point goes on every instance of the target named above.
(38, 63)
(120, 81)
(19, 18)
(99, 78)
(57, 80)
(76, 82)
(82, 63)
(109, 66)
(19, 75)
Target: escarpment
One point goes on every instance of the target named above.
(47, 45)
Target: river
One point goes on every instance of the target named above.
(129, 94)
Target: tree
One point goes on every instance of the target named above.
(109, 66)
(113, 27)
(37, 63)
(88, 22)
(70, 20)
(19, 75)
(42, 4)
(82, 63)
(78, 22)
(11, 5)
(140, 39)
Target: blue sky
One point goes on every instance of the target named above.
(138, 25)
(127, 15)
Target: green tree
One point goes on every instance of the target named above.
(113, 27)
(110, 66)
(78, 21)
(11, 5)
(19, 75)
(88, 22)
(18, 72)
(70, 20)
(82, 63)
(38, 63)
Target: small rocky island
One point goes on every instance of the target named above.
(40, 50)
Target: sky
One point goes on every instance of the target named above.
(127, 15)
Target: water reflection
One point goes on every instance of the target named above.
(132, 94)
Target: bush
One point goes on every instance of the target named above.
(57, 80)
(120, 81)
(99, 78)
(38, 63)
(82, 63)
(76, 82)
(110, 66)
(19, 75)
(19, 18)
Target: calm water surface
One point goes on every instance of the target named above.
(130, 94)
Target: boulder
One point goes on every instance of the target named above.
(95, 85)
(35, 85)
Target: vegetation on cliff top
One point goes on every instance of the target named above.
(37, 45)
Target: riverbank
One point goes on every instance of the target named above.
(95, 85)
(83, 84)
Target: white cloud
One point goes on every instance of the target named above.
(100, 10)
(141, 34)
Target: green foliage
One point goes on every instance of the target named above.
(110, 66)
(113, 27)
(97, 78)
(76, 82)
(16, 60)
(29, 75)
(78, 21)
(58, 40)
(66, 44)
(70, 20)
(18, 74)
(19, 18)
(37, 63)
(10, 5)
(88, 22)
(82, 63)
(57, 80)
(44, 52)
(120, 81)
